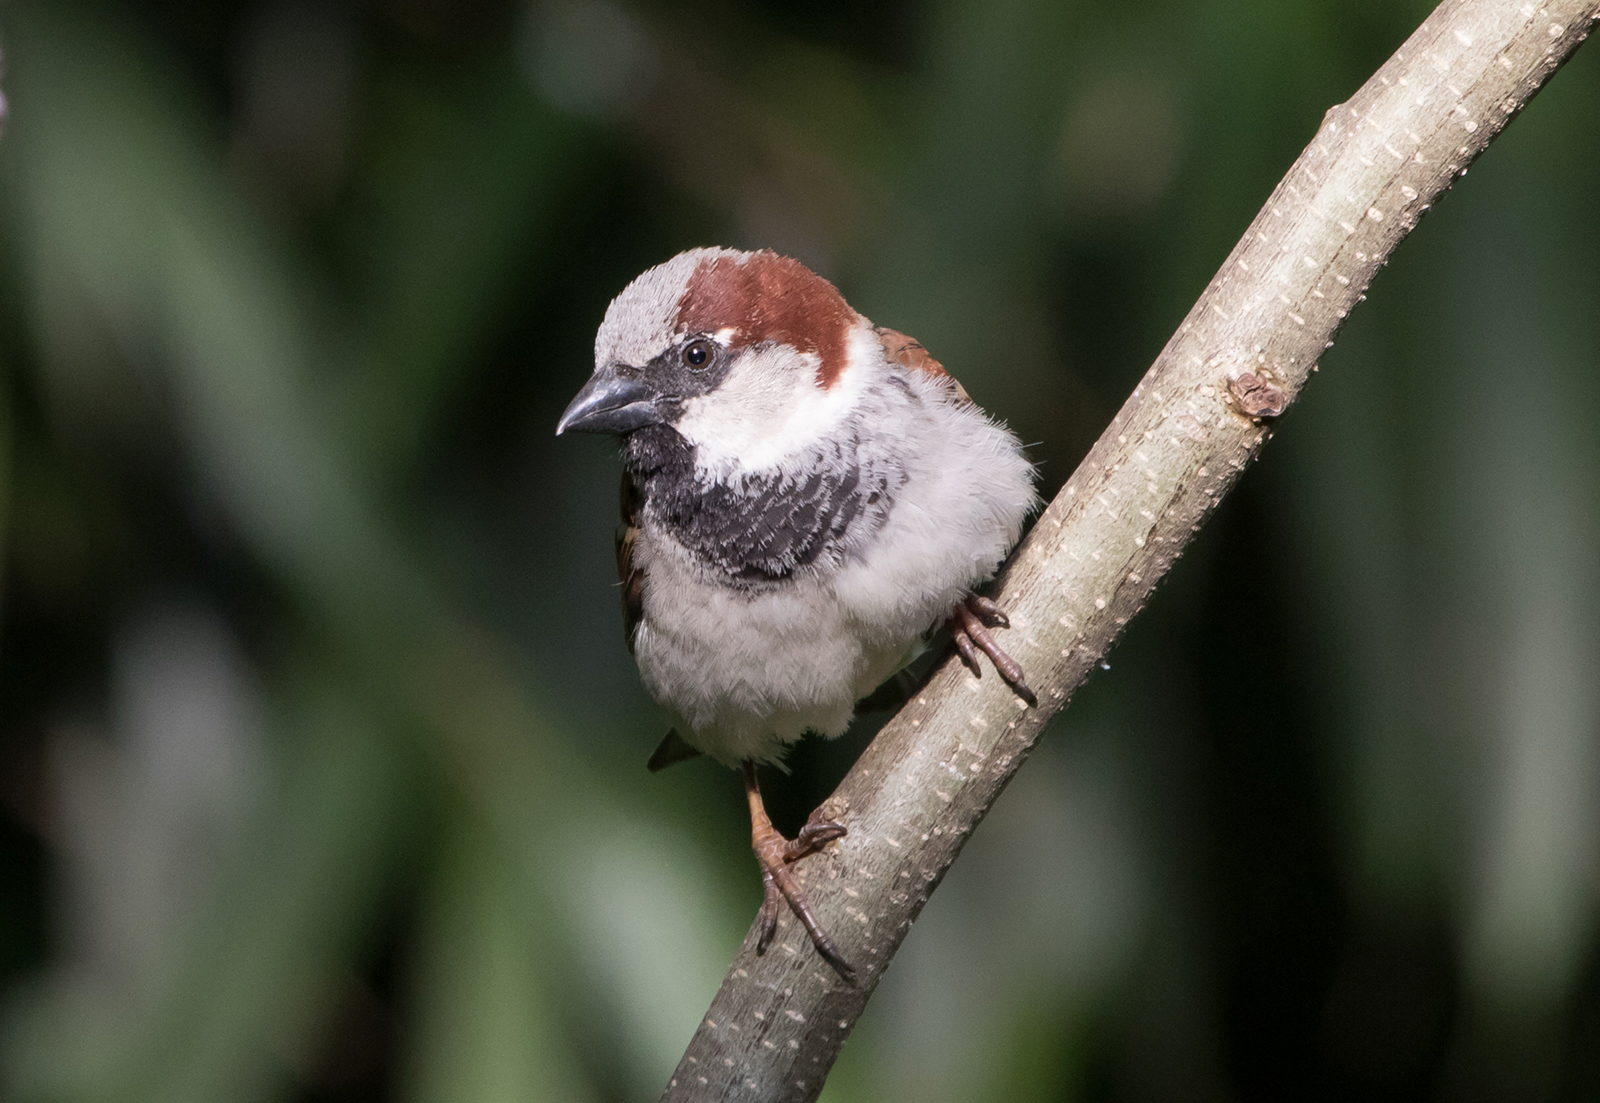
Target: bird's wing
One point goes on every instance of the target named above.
(908, 354)
(631, 577)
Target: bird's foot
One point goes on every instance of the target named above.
(776, 854)
(969, 627)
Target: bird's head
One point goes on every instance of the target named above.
(749, 356)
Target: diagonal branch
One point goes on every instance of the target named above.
(1178, 444)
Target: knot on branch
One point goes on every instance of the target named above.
(1256, 397)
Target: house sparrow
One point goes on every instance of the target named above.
(805, 498)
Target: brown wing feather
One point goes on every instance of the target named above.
(908, 353)
(631, 577)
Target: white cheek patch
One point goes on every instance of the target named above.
(767, 409)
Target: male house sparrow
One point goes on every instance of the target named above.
(805, 497)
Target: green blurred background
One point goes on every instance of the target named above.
(322, 757)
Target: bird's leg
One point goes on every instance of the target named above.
(969, 628)
(776, 854)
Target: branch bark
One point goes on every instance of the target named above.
(1181, 440)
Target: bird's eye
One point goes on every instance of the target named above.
(696, 354)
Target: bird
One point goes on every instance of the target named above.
(806, 499)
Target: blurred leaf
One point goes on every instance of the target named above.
(459, 186)
(248, 994)
(488, 1026)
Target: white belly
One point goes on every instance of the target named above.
(744, 674)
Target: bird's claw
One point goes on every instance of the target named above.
(776, 854)
(990, 613)
(969, 628)
(770, 902)
(963, 642)
(815, 835)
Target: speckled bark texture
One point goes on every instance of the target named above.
(1177, 445)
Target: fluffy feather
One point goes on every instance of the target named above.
(796, 529)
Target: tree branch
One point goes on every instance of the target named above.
(1178, 444)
